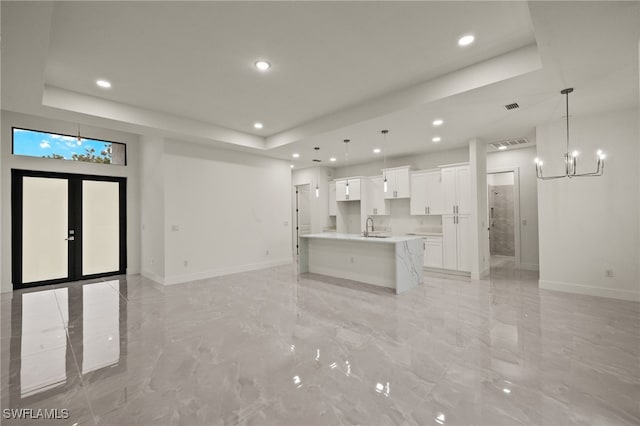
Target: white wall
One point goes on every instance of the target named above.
(589, 225)
(152, 247)
(225, 212)
(497, 179)
(9, 161)
(522, 159)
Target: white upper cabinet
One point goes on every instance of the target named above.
(332, 199)
(376, 203)
(354, 189)
(398, 182)
(418, 202)
(456, 189)
(426, 193)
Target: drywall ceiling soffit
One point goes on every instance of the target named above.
(50, 41)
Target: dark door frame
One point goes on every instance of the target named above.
(75, 222)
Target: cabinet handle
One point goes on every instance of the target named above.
(454, 209)
(426, 211)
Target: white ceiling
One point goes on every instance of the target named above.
(340, 69)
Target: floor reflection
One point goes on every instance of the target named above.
(55, 337)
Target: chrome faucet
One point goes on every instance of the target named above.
(366, 230)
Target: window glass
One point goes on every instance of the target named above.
(33, 143)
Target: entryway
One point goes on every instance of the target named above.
(302, 213)
(66, 227)
(503, 203)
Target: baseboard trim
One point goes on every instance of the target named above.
(590, 290)
(179, 279)
(153, 277)
(530, 266)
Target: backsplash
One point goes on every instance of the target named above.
(401, 222)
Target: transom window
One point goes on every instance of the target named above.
(33, 143)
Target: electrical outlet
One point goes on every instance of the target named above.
(352, 260)
(608, 273)
(175, 228)
(153, 261)
(266, 252)
(524, 222)
(186, 263)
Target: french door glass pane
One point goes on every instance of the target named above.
(100, 227)
(44, 229)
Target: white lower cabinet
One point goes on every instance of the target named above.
(433, 252)
(456, 234)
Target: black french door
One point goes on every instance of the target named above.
(66, 227)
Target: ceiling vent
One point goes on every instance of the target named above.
(317, 161)
(509, 107)
(510, 143)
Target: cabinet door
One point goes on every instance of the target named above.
(403, 183)
(464, 243)
(341, 187)
(391, 185)
(449, 242)
(418, 201)
(434, 197)
(373, 186)
(433, 252)
(448, 190)
(463, 190)
(354, 189)
(332, 199)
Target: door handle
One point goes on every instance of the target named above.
(70, 239)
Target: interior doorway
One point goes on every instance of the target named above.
(66, 227)
(503, 201)
(302, 213)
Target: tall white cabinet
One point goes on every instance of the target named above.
(456, 219)
(426, 193)
(456, 187)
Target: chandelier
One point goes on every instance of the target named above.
(571, 158)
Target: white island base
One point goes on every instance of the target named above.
(394, 262)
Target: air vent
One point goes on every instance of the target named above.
(317, 161)
(510, 143)
(509, 107)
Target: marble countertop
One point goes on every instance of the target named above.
(355, 237)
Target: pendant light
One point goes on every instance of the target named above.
(316, 149)
(571, 158)
(346, 147)
(384, 153)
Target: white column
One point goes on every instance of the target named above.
(479, 233)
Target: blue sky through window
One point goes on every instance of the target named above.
(42, 144)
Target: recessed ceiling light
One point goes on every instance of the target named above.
(376, 151)
(263, 65)
(466, 40)
(502, 148)
(258, 125)
(436, 139)
(292, 166)
(437, 122)
(104, 84)
(332, 159)
(296, 155)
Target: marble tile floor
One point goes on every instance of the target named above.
(270, 347)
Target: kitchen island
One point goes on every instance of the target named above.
(393, 261)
